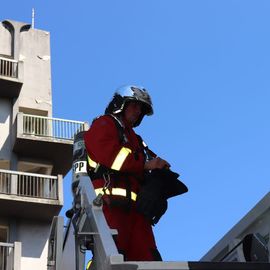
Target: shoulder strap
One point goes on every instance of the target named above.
(149, 153)
(120, 127)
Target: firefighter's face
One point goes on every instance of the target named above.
(132, 112)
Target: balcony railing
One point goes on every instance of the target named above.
(8, 67)
(10, 256)
(6, 256)
(29, 184)
(51, 127)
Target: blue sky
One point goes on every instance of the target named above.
(206, 65)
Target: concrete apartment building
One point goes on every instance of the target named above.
(35, 148)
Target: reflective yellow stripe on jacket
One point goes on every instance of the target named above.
(118, 161)
(88, 265)
(91, 162)
(120, 158)
(117, 192)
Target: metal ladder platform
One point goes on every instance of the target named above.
(89, 230)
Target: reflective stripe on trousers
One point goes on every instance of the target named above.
(116, 191)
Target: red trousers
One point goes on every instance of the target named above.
(135, 239)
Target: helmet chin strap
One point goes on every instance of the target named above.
(138, 122)
(120, 118)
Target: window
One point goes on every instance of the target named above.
(3, 234)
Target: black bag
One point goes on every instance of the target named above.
(171, 185)
(159, 185)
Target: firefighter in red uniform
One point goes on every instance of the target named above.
(117, 164)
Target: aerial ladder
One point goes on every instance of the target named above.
(87, 231)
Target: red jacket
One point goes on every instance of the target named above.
(104, 146)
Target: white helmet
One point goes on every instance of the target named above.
(129, 93)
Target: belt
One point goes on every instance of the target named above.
(117, 192)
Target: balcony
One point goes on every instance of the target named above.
(30, 195)
(11, 74)
(10, 256)
(47, 138)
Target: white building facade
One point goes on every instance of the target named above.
(35, 148)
